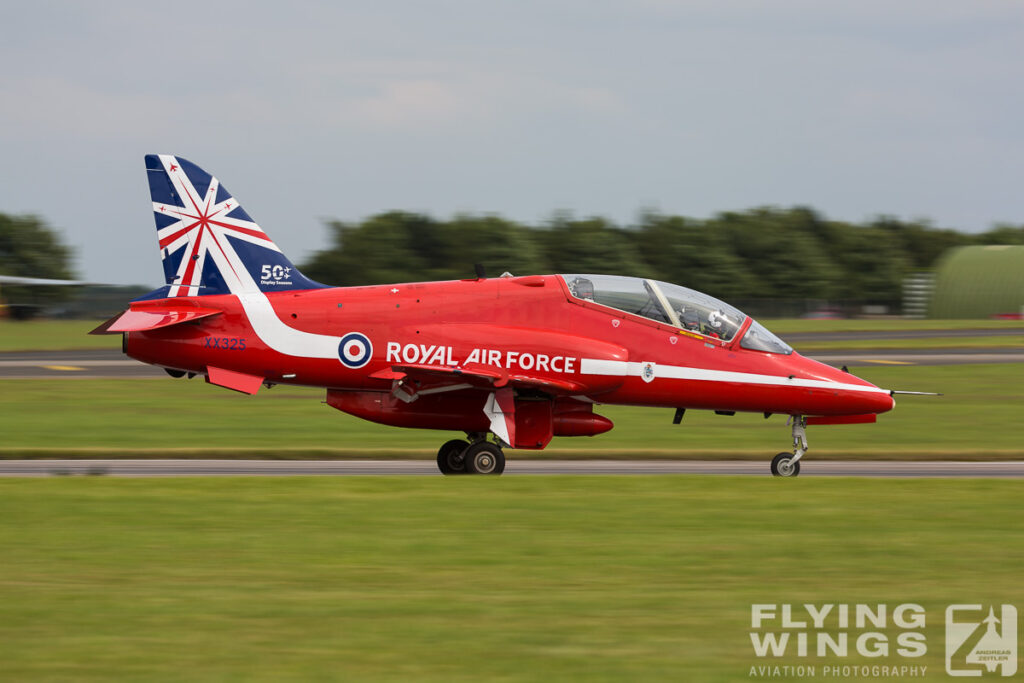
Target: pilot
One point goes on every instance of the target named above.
(582, 288)
(690, 320)
(715, 324)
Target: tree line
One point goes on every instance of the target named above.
(744, 257)
(30, 248)
(786, 254)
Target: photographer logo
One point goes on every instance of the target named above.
(981, 640)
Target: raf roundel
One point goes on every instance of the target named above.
(355, 350)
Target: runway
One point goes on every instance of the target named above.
(800, 337)
(112, 364)
(84, 364)
(278, 468)
(866, 358)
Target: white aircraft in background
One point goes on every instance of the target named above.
(32, 282)
(16, 280)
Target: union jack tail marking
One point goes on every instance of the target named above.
(208, 243)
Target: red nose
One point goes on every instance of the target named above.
(877, 403)
(850, 394)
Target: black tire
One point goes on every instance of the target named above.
(783, 465)
(484, 457)
(449, 457)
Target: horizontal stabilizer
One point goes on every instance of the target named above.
(152, 319)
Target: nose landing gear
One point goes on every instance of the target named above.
(788, 464)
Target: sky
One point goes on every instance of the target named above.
(312, 111)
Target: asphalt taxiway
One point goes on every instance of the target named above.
(796, 338)
(231, 468)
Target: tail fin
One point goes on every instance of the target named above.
(208, 243)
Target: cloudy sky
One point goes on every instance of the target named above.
(314, 110)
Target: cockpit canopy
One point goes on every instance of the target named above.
(681, 307)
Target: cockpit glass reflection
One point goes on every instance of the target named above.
(671, 304)
(758, 338)
(674, 305)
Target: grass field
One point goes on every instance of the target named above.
(978, 417)
(55, 335)
(527, 578)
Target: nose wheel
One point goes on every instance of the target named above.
(788, 464)
(783, 465)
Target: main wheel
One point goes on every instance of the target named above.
(784, 466)
(484, 457)
(449, 457)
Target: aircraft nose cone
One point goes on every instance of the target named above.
(880, 402)
(852, 395)
(871, 399)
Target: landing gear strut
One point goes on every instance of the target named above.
(788, 464)
(477, 457)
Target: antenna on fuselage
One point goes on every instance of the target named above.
(481, 274)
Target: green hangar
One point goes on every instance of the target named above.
(979, 282)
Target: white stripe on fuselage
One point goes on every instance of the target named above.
(286, 340)
(265, 323)
(618, 368)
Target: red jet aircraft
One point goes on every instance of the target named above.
(517, 359)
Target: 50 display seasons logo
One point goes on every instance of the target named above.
(879, 640)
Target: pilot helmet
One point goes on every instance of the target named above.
(582, 288)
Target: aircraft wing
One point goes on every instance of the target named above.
(17, 280)
(414, 379)
(417, 379)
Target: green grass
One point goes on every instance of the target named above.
(525, 578)
(54, 335)
(979, 417)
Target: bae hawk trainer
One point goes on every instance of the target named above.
(510, 361)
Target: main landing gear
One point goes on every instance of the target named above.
(788, 464)
(477, 456)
